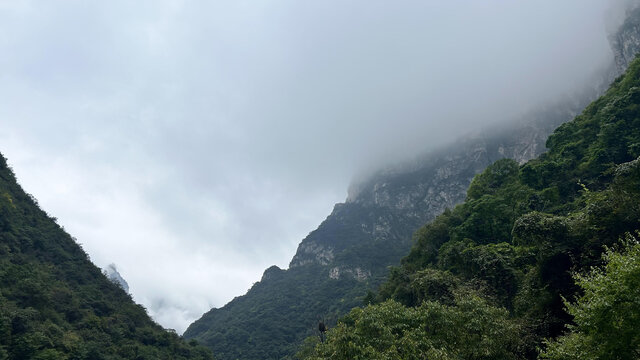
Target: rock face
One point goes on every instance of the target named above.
(350, 252)
(625, 43)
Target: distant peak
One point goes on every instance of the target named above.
(111, 272)
(271, 272)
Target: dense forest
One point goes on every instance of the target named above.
(541, 260)
(55, 304)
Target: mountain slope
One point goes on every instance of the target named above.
(503, 260)
(349, 253)
(55, 304)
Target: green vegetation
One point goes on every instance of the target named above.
(280, 311)
(470, 328)
(488, 279)
(55, 304)
(607, 315)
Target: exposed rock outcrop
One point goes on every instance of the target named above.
(625, 43)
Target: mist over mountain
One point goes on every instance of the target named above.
(350, 252)
(540, 261)
(169, 131)
(195, 143)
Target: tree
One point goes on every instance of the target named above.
(468, 329)
(607, 315)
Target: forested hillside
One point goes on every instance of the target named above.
(55, 304)
(489, 278)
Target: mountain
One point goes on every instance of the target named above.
(338, 265)
(55, 304)
(494, 277)
(348, 255)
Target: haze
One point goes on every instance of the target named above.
(195, 143)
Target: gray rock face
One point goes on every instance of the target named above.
(625, 43)
(384, 209)
(313, 253)
(356, 273)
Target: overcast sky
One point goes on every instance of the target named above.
(195, 143)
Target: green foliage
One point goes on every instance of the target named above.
(280, 313)
(427, 284)
(55, 304)
(607, 315)
(428, 240)
(497, 175)
(470, 328)
(275, 316)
